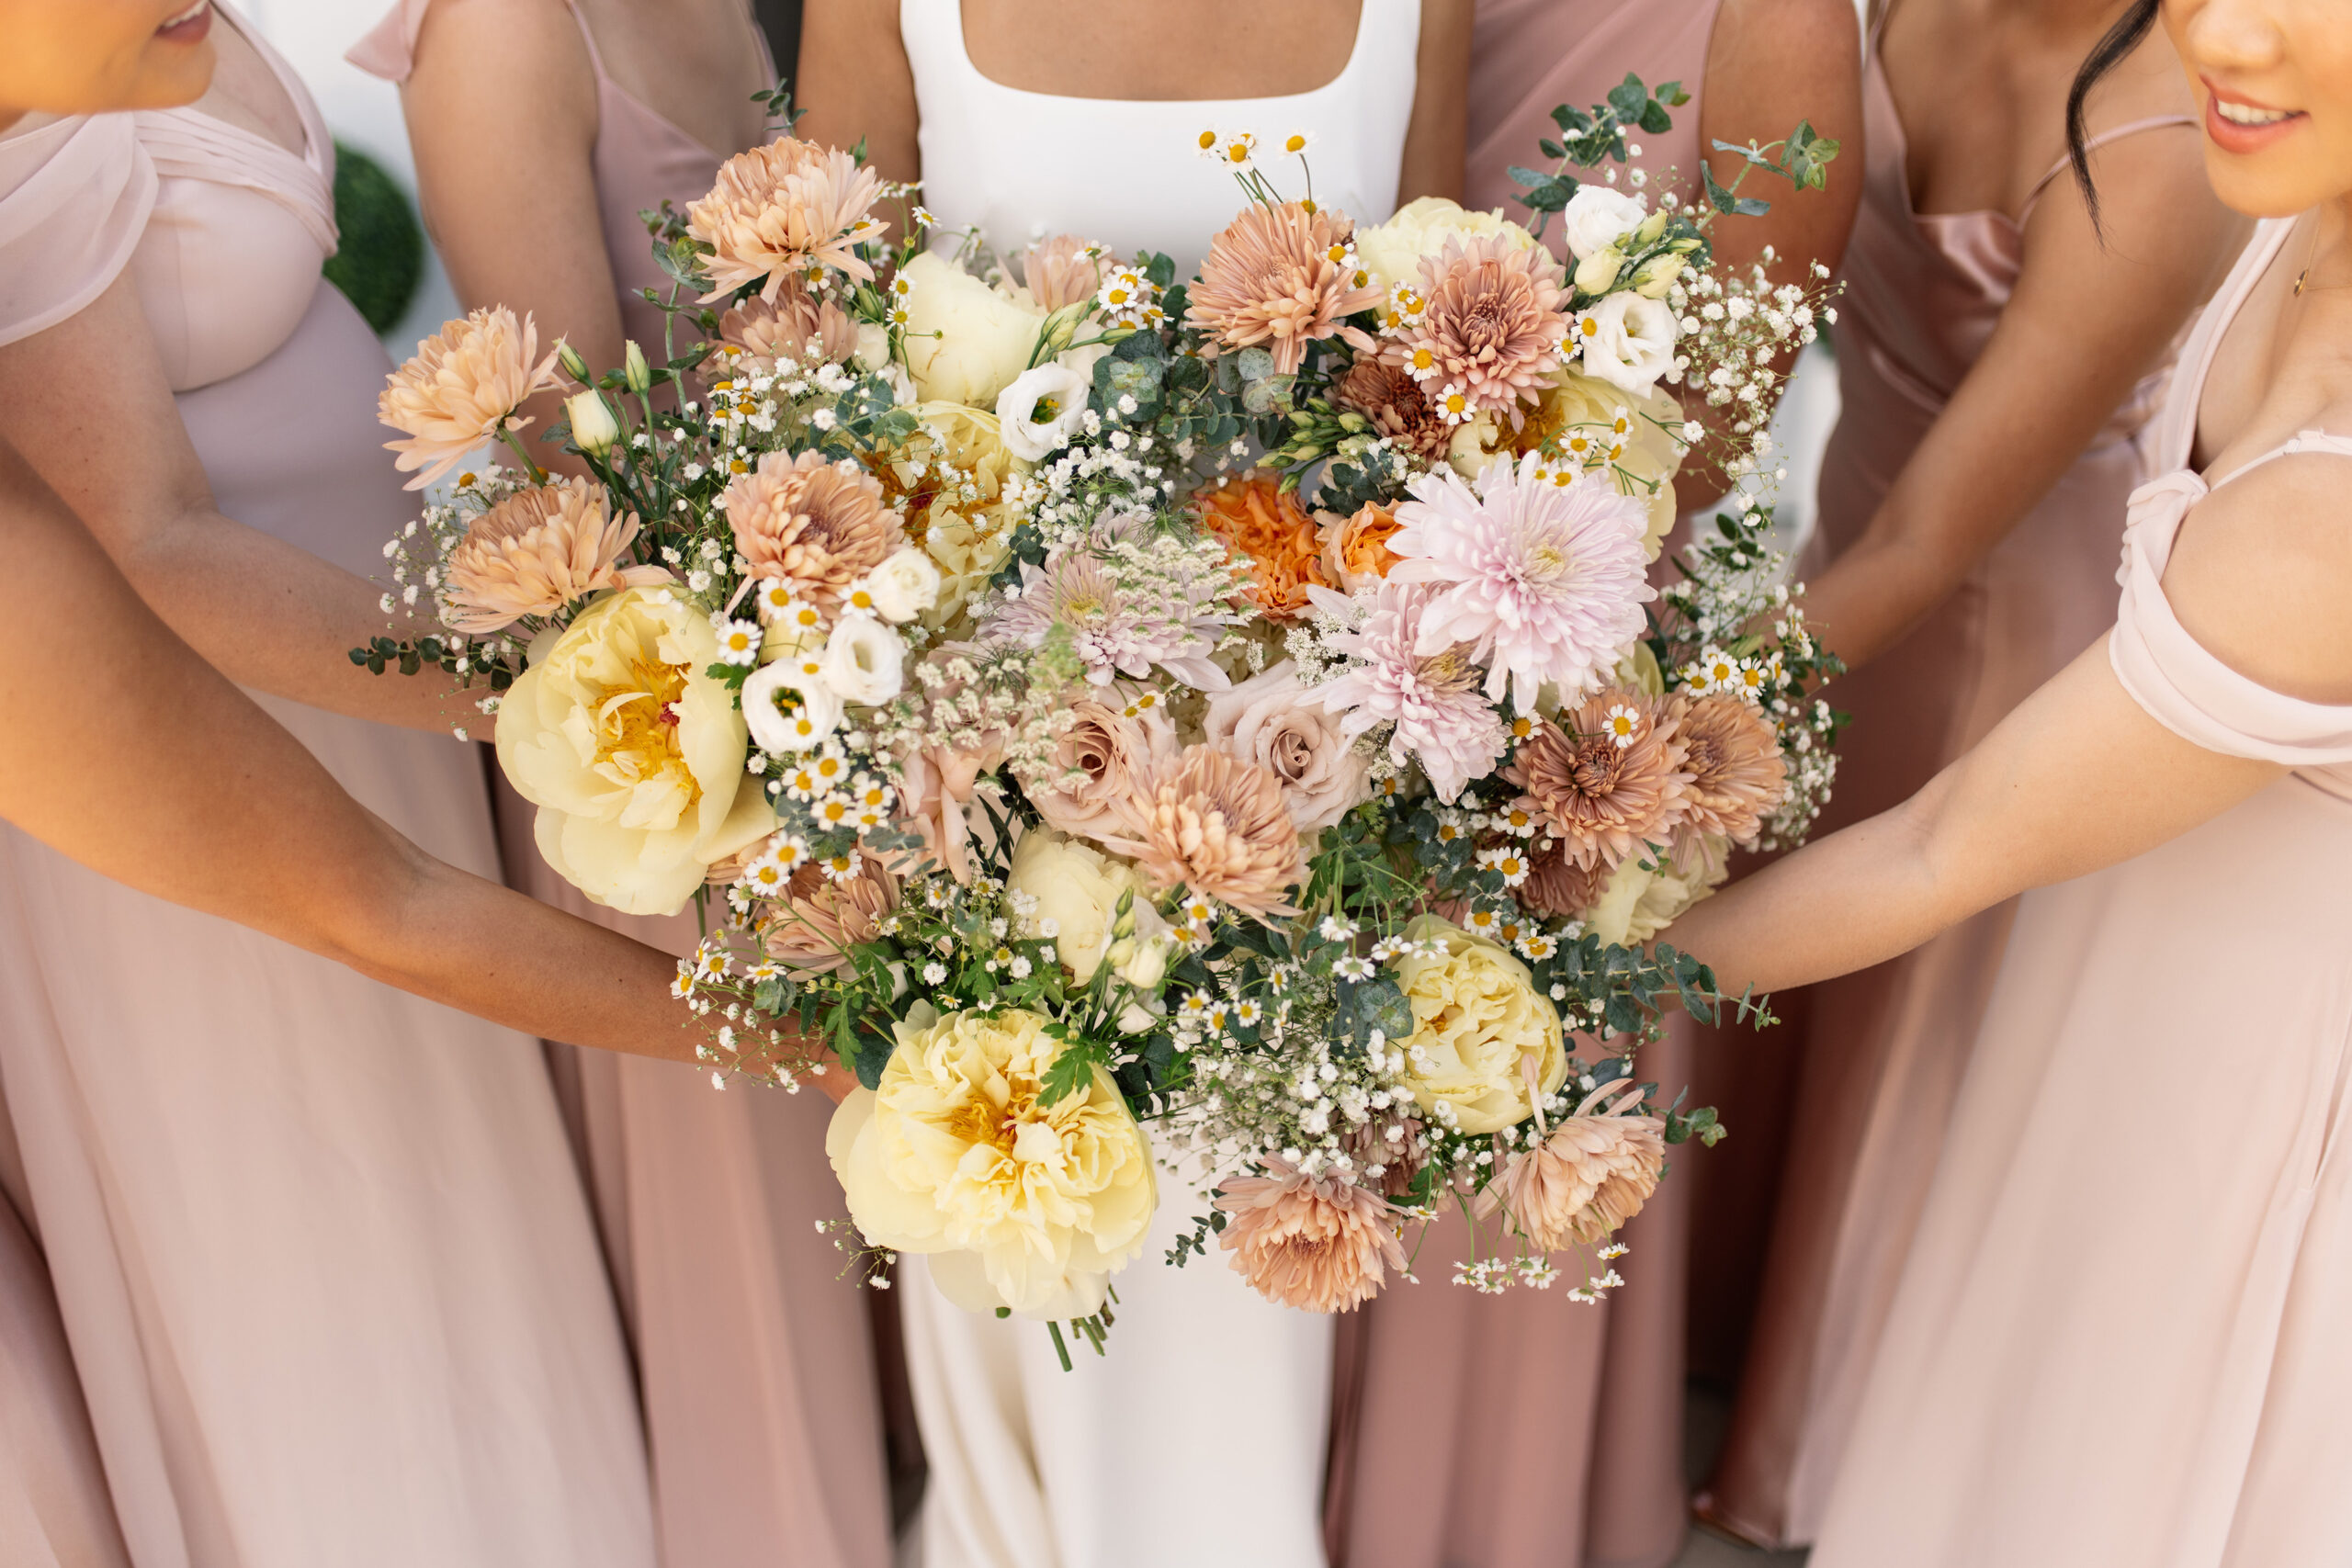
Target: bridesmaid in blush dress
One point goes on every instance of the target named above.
(754, 1356)
(318, 1246)
(1565, 1419)
(1998, 357)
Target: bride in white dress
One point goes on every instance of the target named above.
(1200, 1438)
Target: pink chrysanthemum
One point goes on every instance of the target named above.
(1544, 582)
(1493, 325)
(1063, 271)
(1280, 276)
(1590, 1177)
(781, 211)
(1320, 1244)
(461, 388)
(1602, 794)
(1433, 699)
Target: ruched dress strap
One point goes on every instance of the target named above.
(2171, 674)
(75, 197)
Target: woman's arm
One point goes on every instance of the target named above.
(144, 763)
(1437, 138)
(1770, 64)
(2079, 777)
(856, 84)
(2091, 315)
(502, 114)
(87, 403)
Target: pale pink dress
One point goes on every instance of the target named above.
(755, 1359)
(2119, 1336)
(320, 1248)
(1525, 1430)
(1871, 1061)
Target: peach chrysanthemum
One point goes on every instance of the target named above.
(816, 525)
(796, 329)
(782, 212)
(1493, 325)
(1737, 776)
(1256, 520)
(1558, 886)
(461, 388)
(818, 920)
(1388, 396)
(1590, 1175)
(1062, 271)
(1605, 794)
(1275, 276)
(1320, 1244)
(534, 553)
(1218, 826)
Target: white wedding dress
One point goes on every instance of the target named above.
(1199, 1439)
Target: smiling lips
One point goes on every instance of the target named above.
(188, 25)
(2239, 125)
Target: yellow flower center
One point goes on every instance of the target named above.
(636, 725)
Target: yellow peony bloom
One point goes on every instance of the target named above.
(954, 479)
(965, 342)
(633, 755)
(1018, 1205)
(1638, 902)
(1480, 1033)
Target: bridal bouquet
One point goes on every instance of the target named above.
(1082, 698)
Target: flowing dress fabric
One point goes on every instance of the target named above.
(1529, 56)
(1876, 1057)
(2118, 1337)
(1219, 1397)
(755, 1357)
(319, 1246)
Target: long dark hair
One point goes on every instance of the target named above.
(2129, 31)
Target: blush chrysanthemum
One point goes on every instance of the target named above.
(1316, 1243)
(1281, 276)
(1544, 582)
(1605, 794)
(1493, 324)
(1737, 776)
(461, 388)
(1218, 826)
(1433, 699)
(534, 553)
(781, 211)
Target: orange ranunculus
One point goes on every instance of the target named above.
(1285, 550)
(1355, 548)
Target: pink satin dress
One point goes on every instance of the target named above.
(1525, 1430)
(1870, 1063)
(2120, 1335)
(319, 1247)
(756, 1359)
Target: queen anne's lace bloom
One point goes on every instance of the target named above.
(781, 211)
(1544, 582)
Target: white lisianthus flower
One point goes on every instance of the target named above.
(965, 341)
(1042, 410)
(1597, 217)
(865, 661)
(1391, 251)
(788, 710)
(632, 753)
(905, 585)
(1028, 1207)
(1630, 342)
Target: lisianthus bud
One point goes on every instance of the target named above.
(568, 357)
(1652, 227)
(1598, 270)
(634, 371)
(594, 429)
(1656, 279)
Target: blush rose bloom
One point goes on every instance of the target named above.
(1482, 1038)
(1100, 766)
(1271, 720)
(633, 755)
(1016, 1204)
(987, 338)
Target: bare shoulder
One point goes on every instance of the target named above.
(2263, 570)
(1796, 50)
(527, 54)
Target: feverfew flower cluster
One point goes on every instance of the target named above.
(1226, 717)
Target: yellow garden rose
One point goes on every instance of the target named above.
(1391, 251)
(1638, 904)
(633, 755)
(952, 478)
(965, 342)
(1480, 1033)
(1581, 412)
(1017, 1204)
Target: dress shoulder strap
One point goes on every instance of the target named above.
(2115, 133)
(2323, 441)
